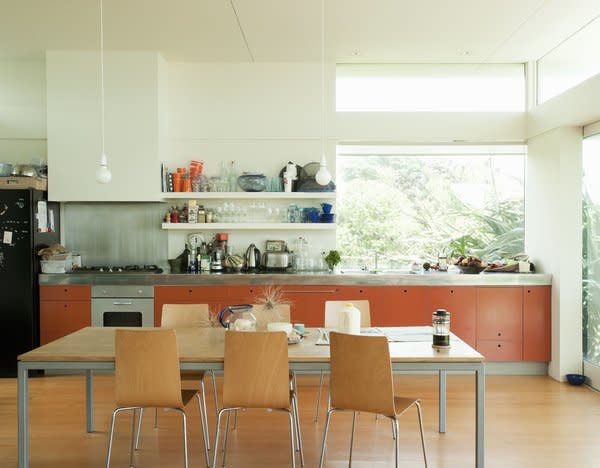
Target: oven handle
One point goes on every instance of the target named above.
(122, 303)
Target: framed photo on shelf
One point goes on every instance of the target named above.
(275, 246)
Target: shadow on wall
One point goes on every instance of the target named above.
(116, 233)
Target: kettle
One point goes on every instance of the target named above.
(252, 257)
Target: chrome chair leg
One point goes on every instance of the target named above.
(216, 398)
(319, 398)
(139, 428)
(204, 414)
(234, 420)
(225, 436)
(298, 430)
(205, 436)
(216, 451)
(110, 436)
(352, 437)
(155, 418)
(397, 444)
(292, 437)
(323, 447)
(184, 429)
(418, 405)
(394, 432)
(133, 436)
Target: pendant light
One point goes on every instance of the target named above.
(323, 176)
(103, 175)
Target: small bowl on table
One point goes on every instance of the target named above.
(470, 269)
(576, 379)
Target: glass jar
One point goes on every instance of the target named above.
(441, 328)
(238, 318)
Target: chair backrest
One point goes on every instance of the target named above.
(147, 369)
(279, 313)
(256, 370)
(185, 316)
(361, 373)
(333, 309)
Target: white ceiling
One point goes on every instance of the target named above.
(394, 31)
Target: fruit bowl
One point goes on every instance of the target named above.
(470, 269)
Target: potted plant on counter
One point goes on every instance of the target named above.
(332, 259)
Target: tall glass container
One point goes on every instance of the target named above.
(441, 328)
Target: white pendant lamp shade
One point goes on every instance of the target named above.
(323, 176)
(103, 175)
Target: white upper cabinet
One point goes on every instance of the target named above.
(135, 100)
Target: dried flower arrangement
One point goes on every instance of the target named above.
(271, 306)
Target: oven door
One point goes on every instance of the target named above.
(122, 312)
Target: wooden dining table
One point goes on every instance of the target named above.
(92, 349)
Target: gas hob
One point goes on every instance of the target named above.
(119, 269)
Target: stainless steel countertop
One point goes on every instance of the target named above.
(424, 279)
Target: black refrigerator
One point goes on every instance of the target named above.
(19, 268)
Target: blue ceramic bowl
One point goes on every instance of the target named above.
(327, 218)
(575, 379)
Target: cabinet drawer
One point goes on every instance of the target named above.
(189, 294)
(65, 293)
(500, 350)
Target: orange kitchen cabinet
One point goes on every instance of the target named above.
(308, 302)
(374, 294)
(403, 306)
(65, 293)
(500, 323)
(536, 323)
(214, 296)
(499, 350)
(59, 318)
(461, 302)
(63, 310)
(244, 294)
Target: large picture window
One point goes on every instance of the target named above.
(404, 203)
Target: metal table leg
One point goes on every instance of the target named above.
(442, 400)
(480, 417)
(89, 401)
(23, 417)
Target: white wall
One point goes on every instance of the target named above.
(22, 111)
(553, 236)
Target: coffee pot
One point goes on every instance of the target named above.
(252, 257)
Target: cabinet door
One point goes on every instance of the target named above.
(65, 293)
(500, 323)
(500, 313)
(536, 323)
(403, 306)
(58, 319)
(308, 303)
(214, 296)
(461, 302)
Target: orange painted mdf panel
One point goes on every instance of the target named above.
(65, 293)
(58, 319)
(499, 350)
(308, 302)
(461, 302)
(536, 323)
(404, 306)
(499, 314)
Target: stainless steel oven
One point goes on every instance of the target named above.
(122, 306)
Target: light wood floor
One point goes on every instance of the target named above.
(531, 422)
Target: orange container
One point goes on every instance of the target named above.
(177, 182)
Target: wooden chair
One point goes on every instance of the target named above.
(187, 316)
(361, 380)
(256, 375)
(147, 376)
(332, 312)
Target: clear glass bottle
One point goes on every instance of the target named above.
(440, 321)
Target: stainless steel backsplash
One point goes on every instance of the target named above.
(115, 233)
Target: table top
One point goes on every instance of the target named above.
(207, 345)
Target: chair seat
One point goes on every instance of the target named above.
(401, 404)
